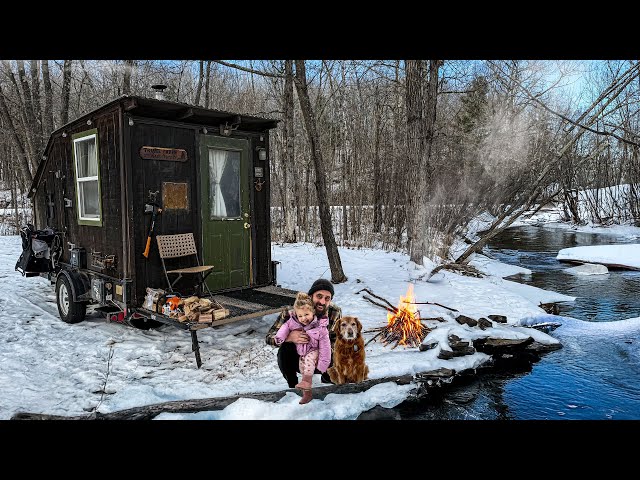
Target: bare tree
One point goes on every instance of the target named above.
(66, 92)
(300, 80)
(288, 158)
(47, 113)
(200, 77)
(126, 78)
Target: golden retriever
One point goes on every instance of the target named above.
(348, 352)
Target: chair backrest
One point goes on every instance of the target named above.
(174, 246)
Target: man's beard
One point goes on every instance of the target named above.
(320, 308)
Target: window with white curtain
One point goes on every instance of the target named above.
(86, 162)
(224, 184)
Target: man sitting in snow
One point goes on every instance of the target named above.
(321, 293)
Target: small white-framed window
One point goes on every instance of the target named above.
(85, 153)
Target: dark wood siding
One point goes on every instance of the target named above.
(59, 182)
(148, 175)
(261, 213)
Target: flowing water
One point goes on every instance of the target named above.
(596, 375)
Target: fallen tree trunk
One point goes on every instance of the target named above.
(148, 412)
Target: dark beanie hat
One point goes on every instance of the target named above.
(321, 284)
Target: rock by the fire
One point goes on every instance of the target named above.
(428, 346)
(456, 343)
(483, 323)
(463, 319)
(438, 373)
(449, 354)
(498, 318)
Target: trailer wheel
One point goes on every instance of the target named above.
(69, 311)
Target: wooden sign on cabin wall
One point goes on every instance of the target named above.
(160, 153)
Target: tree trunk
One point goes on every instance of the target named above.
(206, 84)
(288, 172)
(200, 78)
(37, 111)
(126, 79)
(300, 79)
(66, 90)
(415, 156)
(23, 160)
(47, 113)
(14, 202)
(377, 180)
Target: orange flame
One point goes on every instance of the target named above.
(406, 320)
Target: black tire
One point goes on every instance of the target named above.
(69, 311)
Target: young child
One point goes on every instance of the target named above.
(316, 353)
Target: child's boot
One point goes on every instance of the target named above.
(305, 383)
(305, 386)
(306, 396)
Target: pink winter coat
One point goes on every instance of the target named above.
(318, 338)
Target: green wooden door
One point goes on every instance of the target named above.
(226, 232)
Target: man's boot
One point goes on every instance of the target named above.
(292, 380)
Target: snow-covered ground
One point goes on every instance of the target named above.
(52, 367)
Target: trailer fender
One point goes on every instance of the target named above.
(79, 282)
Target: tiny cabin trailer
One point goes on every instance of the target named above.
(141, 168)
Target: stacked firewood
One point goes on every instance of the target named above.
(195, 309)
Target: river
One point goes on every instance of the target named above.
(596, 375)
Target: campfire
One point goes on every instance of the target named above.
(403, 323)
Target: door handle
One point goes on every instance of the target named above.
(247, 225)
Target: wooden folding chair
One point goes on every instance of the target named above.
(182, 245)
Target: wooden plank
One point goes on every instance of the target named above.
(246, 316)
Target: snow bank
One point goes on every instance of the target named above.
(587, 269)
(626, 255)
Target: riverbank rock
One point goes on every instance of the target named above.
(483, 323)
(490, 345)
(498, 318)
(458, 348)
(379, 413)
(464, 320)
(551, 308)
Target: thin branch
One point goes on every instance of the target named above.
(573, 122)
(249, 70)
(377, 296)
